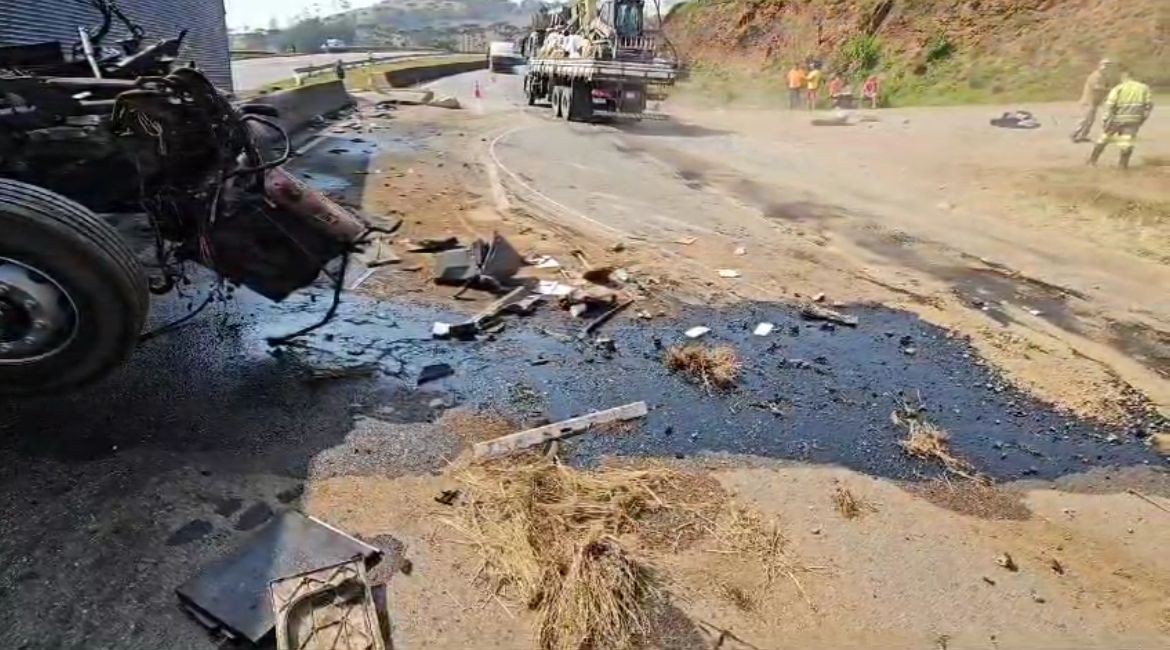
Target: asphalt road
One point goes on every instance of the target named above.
(253, 73)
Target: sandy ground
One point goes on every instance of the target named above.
(1054, 272)
(1092, 570)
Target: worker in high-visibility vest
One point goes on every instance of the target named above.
(1127, 108)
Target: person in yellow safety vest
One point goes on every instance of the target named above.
(1127, 108)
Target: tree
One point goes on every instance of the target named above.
(308, 35)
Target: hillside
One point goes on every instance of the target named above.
(455, 24)
(927, 51)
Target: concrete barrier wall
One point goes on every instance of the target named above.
(423, 74)
(299, 106)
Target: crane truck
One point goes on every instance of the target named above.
(594, 58)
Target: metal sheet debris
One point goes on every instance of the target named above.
(696, 332)
(501, 261)
(456, 266)
(552, 288)
(521, 440)
(233, 591)
(603, 319)
(330, 608)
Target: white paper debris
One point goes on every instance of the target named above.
(546, 262)
(741, 251)
(551, 288)
(728, 273)
(696, 332)
(764, 329)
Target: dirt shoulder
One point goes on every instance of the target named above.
(902, 571)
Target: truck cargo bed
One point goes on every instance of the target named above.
(596, 69)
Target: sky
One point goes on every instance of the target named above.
(256, 13)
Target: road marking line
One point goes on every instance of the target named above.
(311, 144)
(744, 283)
(570, 211)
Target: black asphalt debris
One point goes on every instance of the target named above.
(433, 372)
(435, 245)
(254, 516)
(190, 532)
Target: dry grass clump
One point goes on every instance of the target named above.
(716, 367)
(557, 539)
(926, 441)
(849, 505)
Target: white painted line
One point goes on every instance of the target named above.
(311, 144)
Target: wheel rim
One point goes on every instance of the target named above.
(38, 318)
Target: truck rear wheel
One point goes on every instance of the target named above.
(73, 298)
(560, 102)
(580, 102)
(566, 110)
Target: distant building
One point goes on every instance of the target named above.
(35, 21)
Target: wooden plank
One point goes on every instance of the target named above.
(505, 445)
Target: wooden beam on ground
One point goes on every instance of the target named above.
(512, 442)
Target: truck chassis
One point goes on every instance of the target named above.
(580, 89)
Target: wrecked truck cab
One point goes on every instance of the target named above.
(137, 136)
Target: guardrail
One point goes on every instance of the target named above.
(310, 70)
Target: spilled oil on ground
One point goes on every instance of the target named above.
(809, 391)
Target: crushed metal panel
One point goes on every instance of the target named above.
(502, 261)
(233, 590)
(331, 608)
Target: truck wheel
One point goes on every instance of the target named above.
(73, 298)
(580, 102)
(530, 90)
(565, 110)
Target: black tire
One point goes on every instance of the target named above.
(555, 101)
(580, 102)
(565, 103)
(90, 263)
(530, 90)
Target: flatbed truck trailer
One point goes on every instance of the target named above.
(579, 89)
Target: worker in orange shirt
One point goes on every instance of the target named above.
(870, 91)
(796, 82)
(812, 84)
(836, 89)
